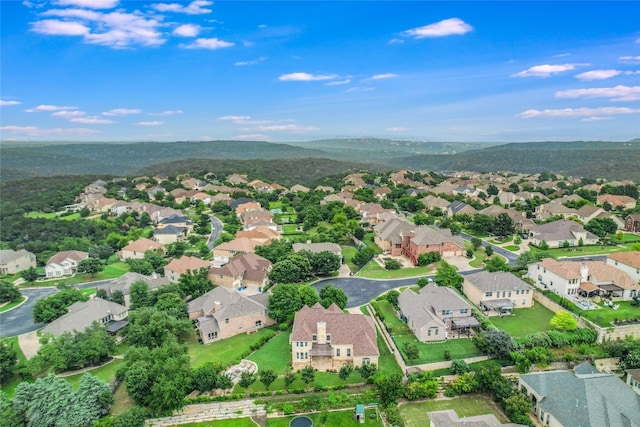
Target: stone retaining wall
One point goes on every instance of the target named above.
(210, 411)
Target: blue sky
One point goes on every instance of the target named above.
(109, 70)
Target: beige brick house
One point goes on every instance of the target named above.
(179, 266)
(222, 313)
(12, 262)
(497, 293)
(136, 249)
(327, 338)
(244, 272)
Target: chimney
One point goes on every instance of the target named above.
(322, 332)
(308, 242)
(584, 273)
(216, 306)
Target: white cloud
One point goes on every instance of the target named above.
(287, 128)
(617, 93)
(197, 7)
(359, 89)
(91, 4)
(56, 27)
(629, 58)
(67, 114)
(578, 112)
(595, 119)
(154, 123)
(252, 62)
(187, 30)
(598, 74)
(235, 119)
(167, 113)
(211, 44)
(91, 120)
(339, 82)
(546, 70)
(398, 129)
(46, 107)
(561, 55)
(383, 76)
(33, 131)
(122, 112)
(396, 41)
(4, 103)
(446, 27)
(305, 77)
(250, 137)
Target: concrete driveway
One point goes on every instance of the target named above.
(29, 344)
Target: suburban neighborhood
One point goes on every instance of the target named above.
(519, 289)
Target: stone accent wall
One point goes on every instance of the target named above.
(210, 411)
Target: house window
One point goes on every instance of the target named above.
(212, 336)
(314, 338)
(509, 294)
(527, 291)
(258, 323)
(488, 294)
(328, 337)
(517, 292)
(297, 355)
(226, 320)
(524, 301)
(366, 361)
(240, 327)
(337, 352)
(348, 352)
(306, 355)
(447, 312)
(464, 310)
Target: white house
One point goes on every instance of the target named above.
(64, 263)
(629, 262)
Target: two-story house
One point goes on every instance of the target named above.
(12, 262)
(179, 266)
(629, 262)
(435, 311)
(64, 263)
(222, 313)
(327, 338)
(587, 278)
(82, 314)
(424, 239)
(556, 233)
(245, 272)
(136, 249)
(497, 293)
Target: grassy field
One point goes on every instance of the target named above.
(10, 388)
(525, 321)
(13, 304)
(275, 355)
(235, 422)
(415, 414)
(586, 250)
(335, 418)
(348, 252)
(626, 238)
(605, 315)
(106, 373)
(374, 271)
(226, 351)
(512, 248)
(38, 214)
(121, 400)
(111, 271)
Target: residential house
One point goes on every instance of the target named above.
(435, 202)
(326, 339)
(497, 293)
(373, 212)
(587, 278)
(424, 239)
(221, 197)
(632, 223)
(179, 266)
(182, 221)
(222, 313)
(629, 262)
(435, 311)
(552, 209)
(260, 186)
(558, 232)
(124, 282)
(381, 193)
(170, 234)
(316, 248)
(260, 235)
(249, 217)
(82, 315)
(449, 418)
(136, 249)
(245, 272)
(297, 188)
(224, 251)
(633, 379)
(615, 201)
(464, 190)
(12, 262)
(203, 197)
(458, 208)
(507, 197)
(584, 397)
(388, 235)
(236, 179)
(153, 191)
(247, 206)
(64, 263)
(325, 188)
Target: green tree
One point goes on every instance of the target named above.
(276, 250)
(48, 309)
(152, 328)
(392, 264)
(156, 260)
(308, 374)
(503, 225)
(564, 321)
(284, 302)
(488, 250)
(422, 282)
(285, 271)
(289, 378)
(447, 275)
(205, 377)
(459, 367)
(195, 283)
(8, 417)
(90, 266)
(530, 257)
(267, 376)
(141, 266)
(392, 297)
(332, 295)
(428, 258)
(601, 227)
(367, 370)
(140, 295)
(345, 371)
(103, 251)
(543, 246)
(172, 304)
(132, 417)
(8, 361)
(476, 242)
(308, 295)
(324, 263)
(118, 297)
(390, 388)
(29, 275)
(8, 292)
(494, 342)
(363, 256)
(496, 263)
(411, 350)
(247, 378)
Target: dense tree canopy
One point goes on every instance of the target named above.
(48, 309)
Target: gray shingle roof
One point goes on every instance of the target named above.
(499, 281)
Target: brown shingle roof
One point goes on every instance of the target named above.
(631, 258)
(181, 265)
(252, 267)
(143, 244)
(598, 271)
(74, 255)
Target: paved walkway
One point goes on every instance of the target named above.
(29, 344)
(210, 411)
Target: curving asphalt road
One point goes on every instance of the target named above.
(216, 229)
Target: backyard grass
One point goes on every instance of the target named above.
(626, 238)
(88, 292)
(39, 214)
(525, 321)
(106, 373)
(374, 271)
(512, 248)
(121, 400)
(226, 351)
(275, 355)
(348, 252)
(10, 388)
(603, 316)
(415, 414)
(335, 418)
(111, 271)
(13, 304)
(235, 422)
(586, 250)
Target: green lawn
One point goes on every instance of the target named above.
(501, 242)
(106, 373)
(374, 271)
(415, 414)
(226, 351)
(398, 327)
(38, 214)
(512, 248)
(275, 355)
(235, 422)
(626, 238)
(121, 400)
(335, 419)
(10, 388)
(525, 321)
(12, 304)
(110, 271)
(586, 250)
(605, 315)
(348, 252)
